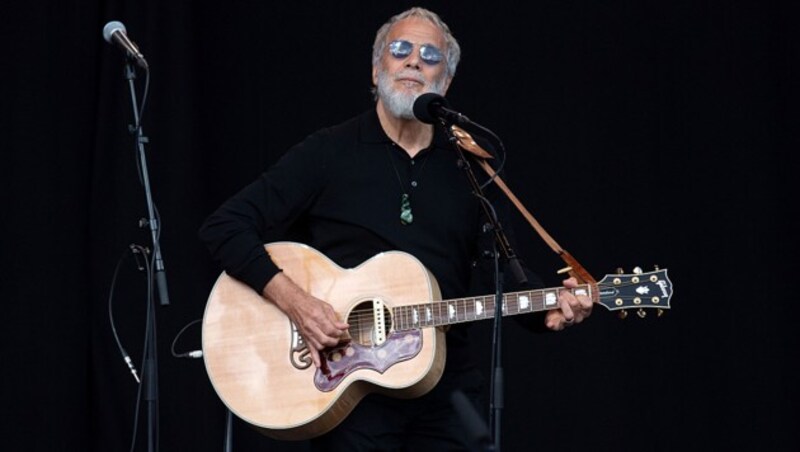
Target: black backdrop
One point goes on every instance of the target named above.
(639, 133)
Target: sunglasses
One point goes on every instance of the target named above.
(429, 54)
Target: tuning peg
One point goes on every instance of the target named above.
(641, 313)
(623, 315)
(656, 267)
(660, 312)
(620, 270)
(637, 270)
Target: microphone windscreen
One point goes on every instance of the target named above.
(426, 106)
(111, 27)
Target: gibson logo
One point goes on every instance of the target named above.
(663, 286)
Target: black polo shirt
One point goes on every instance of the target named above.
(339, 191)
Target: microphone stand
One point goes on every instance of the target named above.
(152, 220)
(502, 240)
(150, 366)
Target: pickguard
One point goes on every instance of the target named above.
(343, 360)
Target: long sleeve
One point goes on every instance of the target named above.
(236, 232)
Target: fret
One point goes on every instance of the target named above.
(400, 322)
(438, 313)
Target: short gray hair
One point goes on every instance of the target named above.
(452, 52)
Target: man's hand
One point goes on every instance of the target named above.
(315, 319)
(571, 309)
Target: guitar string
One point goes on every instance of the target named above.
(367, 313)
(362, 316)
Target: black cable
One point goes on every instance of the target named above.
(135, 250)
(192, 354)
(496, 329)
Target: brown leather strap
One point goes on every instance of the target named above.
(574, 268)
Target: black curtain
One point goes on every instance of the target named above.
(639, 133)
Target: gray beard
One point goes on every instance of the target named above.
(401, 104)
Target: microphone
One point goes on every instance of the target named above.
(431, 107)
(115, 33)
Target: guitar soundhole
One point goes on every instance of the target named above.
(363, 327)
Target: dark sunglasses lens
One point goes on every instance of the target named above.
(430, 54)
(400, 49)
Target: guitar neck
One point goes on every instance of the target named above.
(462, 310)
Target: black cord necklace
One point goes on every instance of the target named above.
(406, 215)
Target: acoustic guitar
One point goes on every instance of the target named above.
(260, 366)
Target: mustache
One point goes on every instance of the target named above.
(410, 74)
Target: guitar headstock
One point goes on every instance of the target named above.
(638, 290)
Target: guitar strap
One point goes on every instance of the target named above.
(573, 268)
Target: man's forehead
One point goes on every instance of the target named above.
(417, 30)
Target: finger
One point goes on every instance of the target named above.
(571, 282)
(553, 320)
(326, 340)
(315, 357)
(313, 343)
(568, 321)
(566, 309)
(332, 332)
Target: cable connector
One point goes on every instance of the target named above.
(129, 362)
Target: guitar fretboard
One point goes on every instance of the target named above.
(463, 310)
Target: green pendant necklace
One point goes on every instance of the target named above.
(406, 215)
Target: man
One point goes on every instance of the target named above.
(380, 181)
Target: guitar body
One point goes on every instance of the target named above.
(260, 369)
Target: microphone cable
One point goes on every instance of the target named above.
(135, 250)
(194, 354)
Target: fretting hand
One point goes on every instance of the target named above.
(571, 310)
